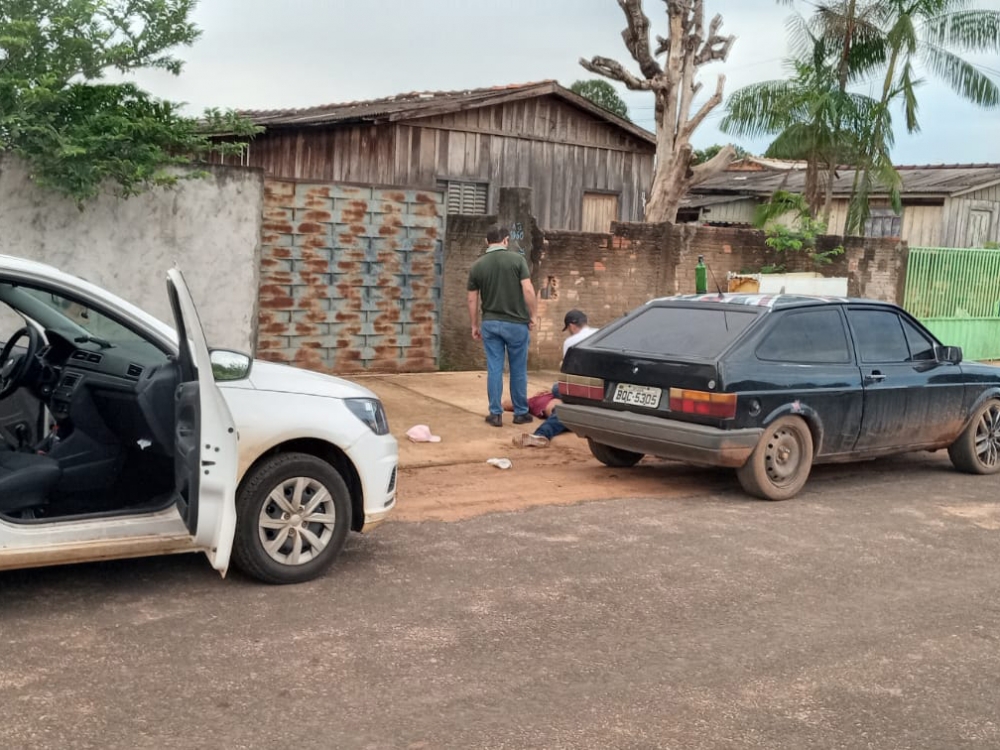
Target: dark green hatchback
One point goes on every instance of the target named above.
(771, 384)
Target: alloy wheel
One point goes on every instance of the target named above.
(988, 436)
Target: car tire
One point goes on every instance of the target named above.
(270, 534)
(617, 458)
(977, 449)
(780, 464)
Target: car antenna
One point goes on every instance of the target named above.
(718, 287)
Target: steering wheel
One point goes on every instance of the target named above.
(13, 369)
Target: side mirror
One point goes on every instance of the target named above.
(229, 365)
(951, 354)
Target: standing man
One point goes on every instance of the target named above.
(500, 286)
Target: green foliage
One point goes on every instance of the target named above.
(76, 131)
(702, 155)
(602, 94)
(886, 40)
(809, 116)
(799, 235)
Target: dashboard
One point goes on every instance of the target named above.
(113, 393)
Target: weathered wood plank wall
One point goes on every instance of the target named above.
(542, 143)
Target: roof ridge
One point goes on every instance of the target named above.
(400, 97)
(974, 165)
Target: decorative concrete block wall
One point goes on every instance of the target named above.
(351, 277)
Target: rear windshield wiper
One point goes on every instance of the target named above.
(103, 343)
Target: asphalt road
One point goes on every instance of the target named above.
(863, 614)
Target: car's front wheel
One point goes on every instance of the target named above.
(293, 512)
(613, 457)
(977, 449)
(780, 464)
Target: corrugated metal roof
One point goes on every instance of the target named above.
(926, 180)
(427, 103)
(694, 200)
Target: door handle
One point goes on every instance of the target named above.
(874, 377)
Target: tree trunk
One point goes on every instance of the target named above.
(674, 87)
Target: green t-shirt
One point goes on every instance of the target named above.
(497, 276)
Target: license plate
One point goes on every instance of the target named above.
(637, 395)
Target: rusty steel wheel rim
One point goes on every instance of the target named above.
(783, 456)
(988, 437)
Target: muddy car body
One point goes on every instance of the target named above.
(771, 384)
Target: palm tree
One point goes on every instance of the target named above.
(892, 38)
(810, 117)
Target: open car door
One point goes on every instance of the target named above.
(206, 456)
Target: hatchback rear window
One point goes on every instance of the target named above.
(701, 332)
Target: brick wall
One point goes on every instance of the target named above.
(463, 245)
(603, 275)
(350, 277)
(876, 268)
(606, 275)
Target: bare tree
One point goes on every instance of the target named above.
(674, 86)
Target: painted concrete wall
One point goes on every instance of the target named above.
(210, 228)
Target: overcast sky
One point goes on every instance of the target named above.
(263, 54)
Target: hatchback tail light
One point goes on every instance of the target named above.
(581, 387)
(703, 403)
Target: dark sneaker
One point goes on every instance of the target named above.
(523, 418)
(495, 420)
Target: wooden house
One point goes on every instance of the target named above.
(586, 166)
(956, 205)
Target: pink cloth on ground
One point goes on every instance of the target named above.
(421, 433)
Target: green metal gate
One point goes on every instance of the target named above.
(955, 292)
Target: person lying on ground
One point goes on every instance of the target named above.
(575, 323)
(543, 406)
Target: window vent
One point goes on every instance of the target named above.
(465, 197)
(134, 371)
(883, 222)
(93, 357)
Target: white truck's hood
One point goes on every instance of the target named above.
(271, 376)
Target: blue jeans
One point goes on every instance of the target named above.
(503, 340)
(552, 426)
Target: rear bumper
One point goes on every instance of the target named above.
(657, 436)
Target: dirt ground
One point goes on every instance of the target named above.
(451, 481)
(560, 475)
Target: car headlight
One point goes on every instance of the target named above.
(369, 411)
